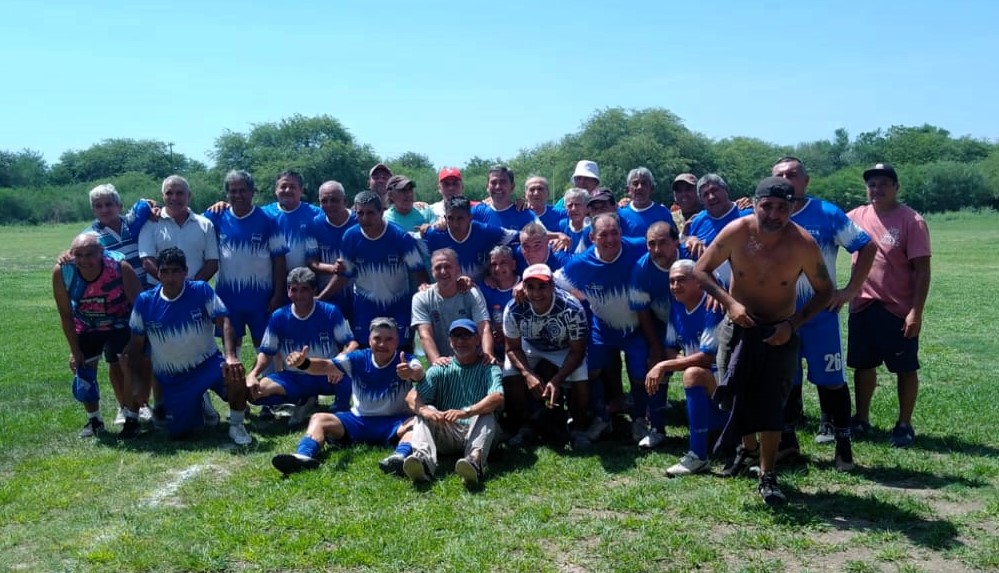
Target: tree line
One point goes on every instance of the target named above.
(937, 171)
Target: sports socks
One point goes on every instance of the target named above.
(308, 447)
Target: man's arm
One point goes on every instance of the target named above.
(575, 357)
(712, 258)
(487, 341)
(515, 352)
(279, 270)
(130, 283)
(426, 332)
(920, 290)
(858, 274)
(65, 308)
(135, 354)
(647, 323)
(814, 269)
(207, 270)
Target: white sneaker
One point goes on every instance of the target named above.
(689, 464)
(653, 439)
(119, 419)
(239, 435)
(208, 412)
(639, 429)
(302, 412)
(145, 414)
(598, 427)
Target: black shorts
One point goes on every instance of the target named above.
(875, 336)
(111, 342)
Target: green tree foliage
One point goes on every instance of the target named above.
(25, 168)
(743, 161)
(825, 157)
(903, 145)
(944, 186)
(113, 157)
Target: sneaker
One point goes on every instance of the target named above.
(523, 437)
(740, 461)
(159, 417)
(239, 435)
(598, 427)
(416, 468)
(902, 436)
(789, 448)
(689, 464)
(639, 429)
(301, 413)
(770, 491)
(392, 464)
(208, 412)
(580, 441)
(844, 455)
(93, 427)
(826, 435)
(129, 429)
(653, 439)
(119, 418)
(469, 470)
(859, 427)
(291, 463)
(145, 414)
(266, 413)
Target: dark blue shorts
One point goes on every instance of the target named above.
(182, 395)
(378, 430)
(875, 337)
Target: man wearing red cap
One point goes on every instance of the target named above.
(450, 184)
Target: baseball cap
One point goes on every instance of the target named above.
(586, 168)
(379, 167)
(600, 195)
(463, 323)
(775, 187)
(881, 169)
(399, 182)
(686, 178)
(539, 271)
(448, 172)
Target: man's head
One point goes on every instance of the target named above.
(792, 169)
(601, 201)
(586, 175)
(882, 186)
(499, 184)
(464, 338)
(302, 287)
(458, 214)
(383, 338)
(575, 204)
(444, 267)
(176, 194)
(368, 208)
(713, 191)
(534, 243)
(539, 286)
(171, 266)
(400, 189)
(449, 183)
(378, 178)
(106, 203)
(87, 251)
(685, 193)
(239, 188)
(536, 192)
(662, 241)
(288, 189)
(502, 266)
(641, 186)
(682, 284)
(772, 203)
(605, 232)
(333, 199)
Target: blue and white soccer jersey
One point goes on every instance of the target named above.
(324, 330)
(509, 218)
(547, 336)
(181, 335)
(473, 250)
(628, 234)
(575, 237)
(324, 244)
(552, 217)
(821, 346)
(652, 291)
(379, 397)
(247, 247)
(126, 241)
(380, 267)
(555, 259)
(294, 225)
(639, 220)
(706, 228)
(693, 331)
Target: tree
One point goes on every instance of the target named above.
(744, 161)
(113, 157)
(25, 168)
(411, 161)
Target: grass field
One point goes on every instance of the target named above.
(68, 504)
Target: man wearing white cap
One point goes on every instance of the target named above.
(585, 176)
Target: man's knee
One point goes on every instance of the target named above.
(695, 376)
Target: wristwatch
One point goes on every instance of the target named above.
(467, 410)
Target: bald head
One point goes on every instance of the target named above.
(85, 240)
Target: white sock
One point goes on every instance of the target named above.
(236, 416)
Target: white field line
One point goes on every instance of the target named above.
(165, 494)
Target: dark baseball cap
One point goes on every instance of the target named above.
(689, 178)
(379, 167)
(881, 169)
(600, 195)
(399, 182)
(775, 187)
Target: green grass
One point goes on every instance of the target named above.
(101, 505)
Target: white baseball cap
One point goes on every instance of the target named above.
(586, 168)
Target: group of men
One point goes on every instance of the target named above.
(526, 316)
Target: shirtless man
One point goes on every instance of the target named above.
(758, 344)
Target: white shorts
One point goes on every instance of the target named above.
(556, 357)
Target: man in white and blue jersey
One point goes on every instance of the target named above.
(536, 196)
(821, 347)
(602, 201)
(294, 216)
(719, 211)
(251, 259)
(379, 377)
(119, 232)
(692, 346)
(179, 318)
(305, 322)
(575, 224)
(323, 247)
(472, 240)
(502, 212)
(497, 290)
(380, 258)
(642, 210)
(454, 406)
(536, 248)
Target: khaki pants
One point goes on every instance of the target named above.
(430, 437)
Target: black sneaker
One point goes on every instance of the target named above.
(470, 471)
(844, 455)
(826, 435)
(740, 462)
(130, 429)
(859, 427)
(902, 436)
(789, 448)
(93, 427)
(159, 417)
(291, 463)
(392, 464)
(770, 492)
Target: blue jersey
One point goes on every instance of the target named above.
(126, 241)
(324, 330)
(473, 250)
(555, 259)
(608, 288)
(706, 228)
(652, 292)
(496, 300)
(294, 226)
(627, 234)
(693, 331)
(377, 390)
(640, 220)
(509, 218)
(831, 229)
(576, 237)
(247, 246)
(552, 217)
(324, 244)
(380, 267)
(181, 332)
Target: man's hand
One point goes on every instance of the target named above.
(913, 324)
(652, 379)
(233, 371)
(488, 359)
(738, 315)
(839, 298)
(409, 370)
(535, 386)
(452, 416)
(465, 284)
(551, 395)
(218, 207)
(253, 386)
(561, 242)
(76, 360)
(782, 333)
(431, 414)
(695, 247)
(442, 361)
(519, 293)
(743, 203)
(712, 304)
(420, 205)
(64, 257)
(295, 358)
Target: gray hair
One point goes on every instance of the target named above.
(445, 252)
(685, 265)
(176, 180)
(303, 276)
(368, 198)
(712, 179)
(576, 193)
(501, 250)
(533, 229)
(333, 187)
(236, 175)
(543, 180)
(641, 173)
(384, 322)
(105, 191)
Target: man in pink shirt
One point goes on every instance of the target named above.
(886, 315)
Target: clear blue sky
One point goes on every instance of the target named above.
(454, 79)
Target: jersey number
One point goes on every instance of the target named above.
(834, 362)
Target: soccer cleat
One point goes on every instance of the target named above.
(844, 455)
(598, 427)
(639, 429)
(119, 418)
(859, 427)
(826, 435)
(239, 435)
(653, 439)
(689, 464)
(469, 470)
(740, 461)
(302, 411)
(392, 464)
(291, 463)
(209, 414)
(129, 429)
(789, 448)
(770, 491)
(93, 427)
(416, 468)
(902, 436)
(145, 414)
(266, 413)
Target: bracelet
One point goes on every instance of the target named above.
(305, 364)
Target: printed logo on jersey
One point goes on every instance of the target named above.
(892, 237)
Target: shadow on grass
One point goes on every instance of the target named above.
(158, 443)
(940, 444)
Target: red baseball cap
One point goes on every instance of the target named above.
(448, 172)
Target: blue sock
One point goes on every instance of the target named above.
(404, 449)
(308, 447)
(699, 416)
